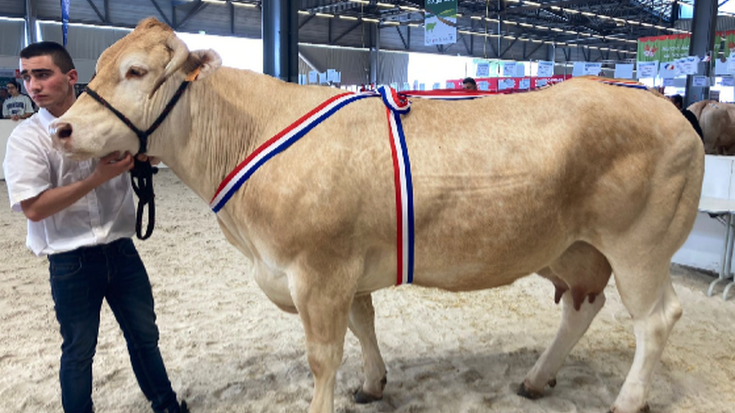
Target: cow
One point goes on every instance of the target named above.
(574, 183)
(717, 121)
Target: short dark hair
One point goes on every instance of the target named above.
(14, 83)
(677, 100)
(469, 80)
(58, 54)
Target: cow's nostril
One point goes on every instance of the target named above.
(64, 131)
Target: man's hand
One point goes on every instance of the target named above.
(110, 166)
(15, 117)
(152, 159)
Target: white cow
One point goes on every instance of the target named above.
(574, 183)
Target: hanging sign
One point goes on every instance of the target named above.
(483, 69)
(545, 69)
(440, 22)
(647, 69)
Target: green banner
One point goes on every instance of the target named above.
(663, 48)
(728, 38)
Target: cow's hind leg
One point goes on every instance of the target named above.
(580, 276)
(573, 326)
(362, 325)
(649, 297)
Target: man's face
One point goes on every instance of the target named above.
(469, 86)
(3, 94)
(48, 87)
(12, 90)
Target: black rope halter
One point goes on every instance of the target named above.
(142, 173)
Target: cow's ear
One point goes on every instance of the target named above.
(208, 61)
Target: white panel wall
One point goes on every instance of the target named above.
(703, 249)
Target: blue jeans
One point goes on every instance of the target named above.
(80, 279)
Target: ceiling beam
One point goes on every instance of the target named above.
(307, 20)
(200, 5)
(403, 39)
(101, 17)
(163, 16)
(351, 28)
(512, 42)
(540, 45)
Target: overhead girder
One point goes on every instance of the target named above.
(97, 11)
(161, 13)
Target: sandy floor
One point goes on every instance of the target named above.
(228, 349)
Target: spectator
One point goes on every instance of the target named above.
(469, 84)
(81, 215)
(678, 101)
(17, 106)
(3, 95)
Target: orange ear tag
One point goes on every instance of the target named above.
(193, 75)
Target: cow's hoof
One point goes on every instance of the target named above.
(364, 398)
(552, 383)
(644, 409)
(529, 393)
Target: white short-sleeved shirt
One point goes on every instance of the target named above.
(17, 105)
(32, 165)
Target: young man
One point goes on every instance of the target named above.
(17, 106)
(81, 215)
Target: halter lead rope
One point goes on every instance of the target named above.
(142, 173)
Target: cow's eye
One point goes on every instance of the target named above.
(135, 72)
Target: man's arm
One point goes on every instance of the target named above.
(54, 200)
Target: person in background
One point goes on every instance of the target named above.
(82, 216)
(17, 106)
(678, 101)
(3, 95)
(469, 84)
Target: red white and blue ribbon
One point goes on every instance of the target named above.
(447, 94)
(620, 82)
(396, 105)
(278, 144)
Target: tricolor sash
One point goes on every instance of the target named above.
(396, 105)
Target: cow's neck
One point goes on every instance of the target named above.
(229, 115)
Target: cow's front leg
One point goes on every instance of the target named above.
(323, 296)
(362, 325)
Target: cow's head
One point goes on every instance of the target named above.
(137, 76)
